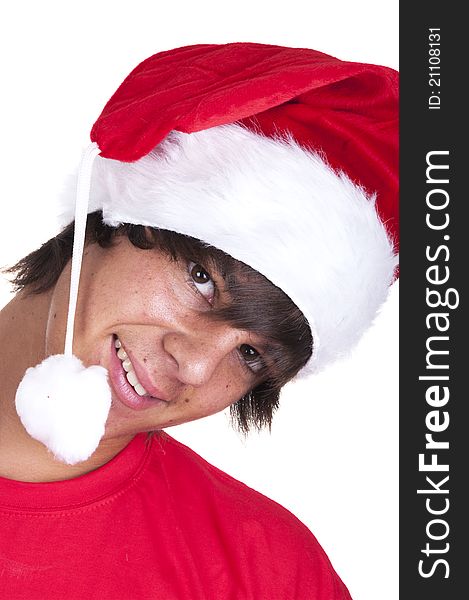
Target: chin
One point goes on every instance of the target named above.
(121, 424)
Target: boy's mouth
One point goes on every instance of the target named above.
(127, 384)
(129, 369)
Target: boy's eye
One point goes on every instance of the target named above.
(251, 357)
(202, 280)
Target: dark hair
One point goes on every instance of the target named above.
(255, 303)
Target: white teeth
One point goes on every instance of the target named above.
(132, 378)
(141, 391)
(128, 367)
(122, 354)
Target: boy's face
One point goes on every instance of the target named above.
(157, 311)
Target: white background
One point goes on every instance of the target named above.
(333, 452)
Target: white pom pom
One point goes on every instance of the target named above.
(65, 405)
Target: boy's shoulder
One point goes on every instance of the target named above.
(255, 528)
(204, 479)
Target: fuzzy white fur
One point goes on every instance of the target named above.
(65, 406)
(272, 205)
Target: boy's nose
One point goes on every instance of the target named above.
(199, 352)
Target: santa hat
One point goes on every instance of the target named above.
(290, 156)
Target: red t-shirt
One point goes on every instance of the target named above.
(156, 522)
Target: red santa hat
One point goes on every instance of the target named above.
(284, 158)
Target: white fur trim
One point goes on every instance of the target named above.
(272, 205)
(65, 406)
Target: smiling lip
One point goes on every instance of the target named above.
(142, 376)
(124, 391)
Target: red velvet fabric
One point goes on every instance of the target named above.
(156, 523)
(347, 110)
